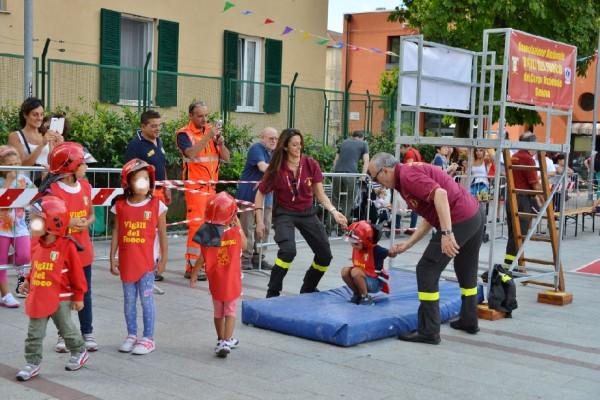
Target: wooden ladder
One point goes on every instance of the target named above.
(515, 214)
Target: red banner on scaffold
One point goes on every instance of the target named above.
(541, 72)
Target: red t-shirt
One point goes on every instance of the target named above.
(524, 178)
(79, 204)
(417, 183)
(412, 154)
(223, 268)
(56, 275)
(137, 232)
(294, 194)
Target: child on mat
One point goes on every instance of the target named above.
(67, 169)
(55, 285)
(366, 275)
(139, 215)
(222, 240)
(13, 227)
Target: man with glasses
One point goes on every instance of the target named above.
(257, 161)
(458, 221)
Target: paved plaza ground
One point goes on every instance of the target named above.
(543, 352)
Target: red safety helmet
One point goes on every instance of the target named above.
(53, 211)
(135, 165)
(66, 158)
(220, 209)
(364, 232)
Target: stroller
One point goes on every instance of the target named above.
(364, 207)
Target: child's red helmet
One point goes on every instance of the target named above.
(53, 211)
(66, 158)
(220, 209)
(364, 232)
(135, 165)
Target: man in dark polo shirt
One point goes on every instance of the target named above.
(524, 179)
(146, 145)
(458, 221)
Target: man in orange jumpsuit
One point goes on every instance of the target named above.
(202, 147)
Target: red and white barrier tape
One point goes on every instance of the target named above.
(17, 198)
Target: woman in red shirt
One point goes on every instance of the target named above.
(295, 179)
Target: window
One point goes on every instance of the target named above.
(393, 45)
(586, 101)
(136, 42)
(248, 69)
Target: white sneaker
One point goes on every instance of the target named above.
(144, 346)
(232, 343)
(90, 342)
(9, 301)
(60, 346)
(128, 344)
(157, 290)
(222, 349)
(28, 372)
(77, 361)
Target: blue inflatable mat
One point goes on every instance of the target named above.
(329, 316)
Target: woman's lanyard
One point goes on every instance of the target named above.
(295, 183)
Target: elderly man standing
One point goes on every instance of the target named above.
(202, 147)
(257, 161)
(458, 220)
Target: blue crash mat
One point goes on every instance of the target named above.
(329, 316)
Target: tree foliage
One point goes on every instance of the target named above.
(460, 23)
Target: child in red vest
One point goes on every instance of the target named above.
(66, 180)
(221, 241)
(55, 285)
(139, 215)
(366, 275)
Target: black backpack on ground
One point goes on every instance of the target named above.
(503, 291)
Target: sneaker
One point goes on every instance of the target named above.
(158, 277)
(20, 281)
(77, 361)
(143, 346)
(60, 346)
(409, 231)
(187, 274)
(90, 342)
(222, 349)
(201, 276)
(232, 343)
(28, 372)
(355, 299)
(9, 301)
(128, 344)
(157, 290)
(366, 300)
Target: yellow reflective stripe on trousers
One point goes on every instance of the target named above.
(469, 291)
(509, 257)
(280, 263)
(322, 268)
(429, 296)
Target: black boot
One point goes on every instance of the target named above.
(458, 324)
(311, 280)
(276, 281)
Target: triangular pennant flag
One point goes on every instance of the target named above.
(322, 41)
(287, 30)
(268, 21)
(228, 5)
(306, 35)
(247, 12)
(391, 53)
(353, 47)
(376, 50)
(339, 45)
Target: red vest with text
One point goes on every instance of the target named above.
(56, 275)
(79, 206)
(137, 231)
(223, 266)
(365, 259)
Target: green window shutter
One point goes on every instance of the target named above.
(110, 54)
(168, 53)
(230, 66)
(273, 57)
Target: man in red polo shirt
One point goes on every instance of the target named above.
(409, 156)
(458, 220)
(524, 179)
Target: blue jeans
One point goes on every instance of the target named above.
(85, 315)
(142, 288)
(413, 219)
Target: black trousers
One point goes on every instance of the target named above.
(312, 230)
(468, 235)
(524, 204)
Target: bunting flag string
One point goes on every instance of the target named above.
(319, 40)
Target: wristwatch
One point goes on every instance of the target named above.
(446, 232)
